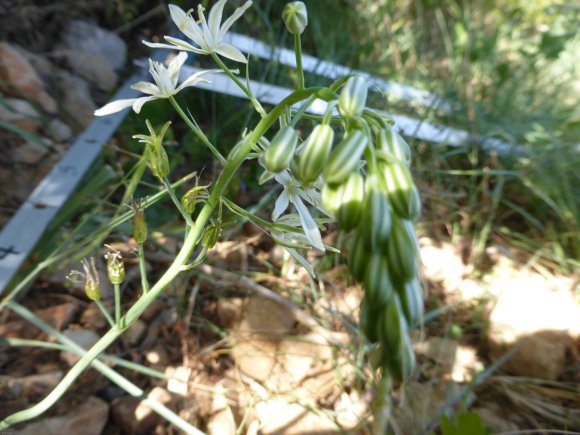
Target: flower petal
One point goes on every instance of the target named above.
(180, 44)
(207, 36)
(175, 66)
(311, 230)
(138, 104)
(115, 106)
(215, 19)
(146, 88)
(193, 79)
(234, 17)
(231, 52)
(186, 24)
(281, 204)
(301, 260)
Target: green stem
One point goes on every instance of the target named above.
(105, 312)
(176, 201)
(101, 367)
(237, 81)
(118, 305)
(200, 134)
(142, 268)
(189, 244)
(298, 51)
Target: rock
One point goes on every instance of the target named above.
(59, 316)
(134, 417)
(90, 38)
(29, 153)
(540, 325)
(85, 338)
(258, 334)
(221, 420)
(229, 311)
(76, 97)
(132, 336)
(157, 357)
(19, 73)
(92, 67)
(88, 418)
(447, 359)
(59, 131)
(178, 379)
(43, 67)
(32, 386)
(93, 318)
(277, 416)
(441, 263)
(351, 410)
(14, 109)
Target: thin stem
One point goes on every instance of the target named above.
(200, 134)
(237, 81)
(105, 312)
(101, 367)
(118, 305)
(189, 244)
(142, 268)
(176, 201)
(298, 51)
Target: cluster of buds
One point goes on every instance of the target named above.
(365, 183)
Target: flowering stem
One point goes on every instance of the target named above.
(189, 244)
(105, 312)
(171, 193)
(237, 81)
(142, 268)
(200, 134)
(298, 51)
(118, 305)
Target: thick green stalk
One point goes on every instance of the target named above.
(200, 134)
(237, 81)
(189, 244)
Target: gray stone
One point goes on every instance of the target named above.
(29, 153)
(85, 338)
(90, 38)
(134, 417)
(76, 97)
(59, 131)
(92, 67)
(134, 334)
(15, 109)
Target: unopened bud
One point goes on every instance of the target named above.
(139, 223)
(211, 235)
(192, 197)
(295, 17)
(159, 161)
(353, 97)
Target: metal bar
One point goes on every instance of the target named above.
(25, 228)
(333, 71)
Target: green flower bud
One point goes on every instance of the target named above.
(281, 150)
(315, 154)
(345, 158)
(211, 235)
(115, 267)
(92, 284)
(192, 197)
(353, 97)
(159, 161)
(352, 195)
(295, 17)
(139, 223)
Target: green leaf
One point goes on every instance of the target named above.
(447, 426)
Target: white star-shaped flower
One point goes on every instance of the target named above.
(208, 35)
(165, 85)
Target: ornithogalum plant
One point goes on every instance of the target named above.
(347, 166)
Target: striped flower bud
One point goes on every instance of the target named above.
(295, 16)
(159, 161)
(211, 235)
(315, 153)
(401, 190)
(345, 158)
(352, 195)
(402, 252)
(376, 217)
(281, 150)
(377, 283)
(393, 145)
(353, 97)
(190, 199)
